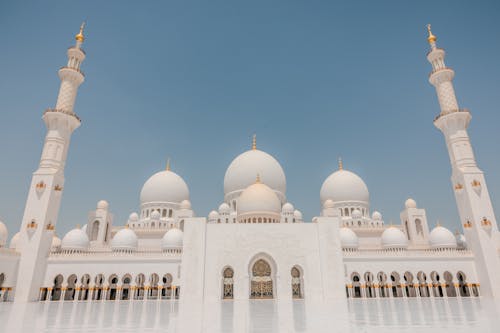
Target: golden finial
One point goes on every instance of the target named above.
(78, 225)
(79, 37)
(438, 224)
(168, 164)
(254, 142)
(257, 179)
(341, 166)
(431, 39)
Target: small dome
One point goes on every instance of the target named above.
(298, 215)
(356, 214)
(287, 208)
(185, 204)
(328, 204)
(84, 228)
(410, 203)
(103, 204)
(56, 243)
(14, 241)
(394, 238)
(376, 216)
(164, 186)
(172, 239)
(155, 215)
(75, 239)
(241, 172)
(348, 238)
(124, 240)
(343, 185)
(213, 215)
(441, 238)
(133, 217)
(259, 198)
(224, 208)
(461, 241)
(3, 234)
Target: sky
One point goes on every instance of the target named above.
(194, 80)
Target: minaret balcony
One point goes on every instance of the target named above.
(445, 113)
(69, 113)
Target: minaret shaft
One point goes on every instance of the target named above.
(45, 192)
(468, 181)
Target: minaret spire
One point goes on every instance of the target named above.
(341, 165)
(468, 181)
(168, 164)
(80, 37)
(254, 142)
(47, 184)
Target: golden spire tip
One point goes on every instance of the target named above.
(257, 179)
(254, 142)
(431, 39)
(168, 164)
(79, 37)
(341, 165)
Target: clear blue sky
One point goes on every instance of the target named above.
(194, 80)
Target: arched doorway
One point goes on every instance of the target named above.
(113, 287)
(462, 284)
(56, 290)
(382, 281)
(409, 286)
(370, 290)
(436, 285)
(422, 284)
(450, 286)
(69, 295)
(261, 284)
(166, 291)
(126, 287)
(227, 283)
(84, 289)
(356, 285)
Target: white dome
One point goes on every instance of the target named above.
(298, 215)
(376, 216)
(3, 234)
(224, 208)
(213, 215)
(287, 208)
(356, 214)
(56, 243)
(103, 204)
(241, 172)
(155, 215)
(164, 186)
(348, 238)
(185, 204)
(125, 239)
(328, 204)
(172, 239)
(440, 238)
(258, 198)
(14, 241)
(392, 237)
(410, 203)
(133, 217)
(75, 239)
(343, 185)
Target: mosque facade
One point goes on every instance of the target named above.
(256, 244)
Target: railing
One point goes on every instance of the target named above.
(69, 113)
(439, 70)
(8, 252)
(107, 252)
(407, 253)
(73, 68)
(444, 113)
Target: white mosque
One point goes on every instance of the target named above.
(255, 245)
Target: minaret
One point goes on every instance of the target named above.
(47, 184)
(469, 185)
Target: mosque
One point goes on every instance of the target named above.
(256, 244)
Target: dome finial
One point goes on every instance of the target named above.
(168, 164)
(438, 224)
(431, 39)
(254, 142)
(257, 179)
(80, 37)
(341, 166)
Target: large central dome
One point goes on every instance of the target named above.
(344, 186)
(164, 186)
(242, 171)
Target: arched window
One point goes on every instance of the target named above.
(370, 289)
(57, 289)
(164, 213)
(296, 283)
(95, 230)
(170, 213)
(84, 288)
(407, 230)
(139, 286)
(462, 284)
(409, 288)
(450, 288)
(261, 280)
(419, 228)
(69, 295)
(356, 285)
(346, 211)
(166, 292)
(423, 288)
(113, 286)
(153, 286)
(99, 280)
(126, 287)
(436, 285)
(227, 283)
(396, 285)
(382, 281)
